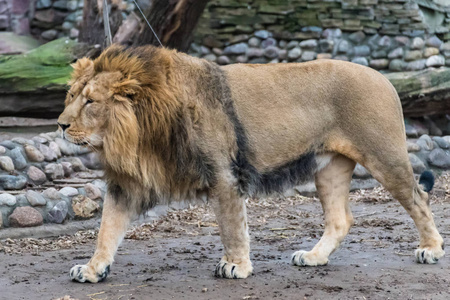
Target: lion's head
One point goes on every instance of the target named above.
(113, 99)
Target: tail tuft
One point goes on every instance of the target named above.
(427, 181)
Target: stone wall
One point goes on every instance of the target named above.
(381, 52)
(224, 19)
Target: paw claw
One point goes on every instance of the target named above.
(225, 269)
(84, 273)
(300, 258)
(428, 256)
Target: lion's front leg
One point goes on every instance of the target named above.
(115, 221)
(232, 219)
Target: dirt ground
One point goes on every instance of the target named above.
(174, 257)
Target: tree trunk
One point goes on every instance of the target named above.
(173, 21)
(92, 29)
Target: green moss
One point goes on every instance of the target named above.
(46, 67)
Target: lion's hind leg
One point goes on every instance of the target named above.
(115, 220)
(333, 185)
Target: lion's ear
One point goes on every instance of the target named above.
(82, 68)
(125, 89)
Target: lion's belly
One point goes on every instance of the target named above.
(282, 119)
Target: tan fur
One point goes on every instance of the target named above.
(161, 121)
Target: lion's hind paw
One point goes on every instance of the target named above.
(229, 270)
(84, 273)
(428, 256)
(304, 258)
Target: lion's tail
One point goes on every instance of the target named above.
(426, 180)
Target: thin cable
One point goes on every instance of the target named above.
(148, 23)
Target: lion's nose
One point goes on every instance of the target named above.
(64, 126)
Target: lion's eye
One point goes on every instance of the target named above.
(89, 101)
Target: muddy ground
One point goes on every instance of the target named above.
(174, 257)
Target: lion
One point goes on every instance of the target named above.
(169, 126)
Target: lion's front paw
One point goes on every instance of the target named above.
(225, 269)
(305, 258)
(428, 256)
(85, 273)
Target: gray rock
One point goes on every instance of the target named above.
(6, 163)
(33, 154)
(425, 142)
(326, 45)
(36, 175)
(282, 44)
(7, 199)
(263, 34)
(43, 4)
(268, 43)
(67, 167)
(341, 57)
(258, 60)
(223, 60)
(379, 64)
(66, 147)
(308, 55)
(442, 143)
(69, 191)
(54, 146)
(410, 130)
(254, 42)
(430, 51)
(9, 182)
(210, 57)
(2, 150)
(385, 42)
(363, 50)
(344, 46)
(49, 154)
(445, 47)
(22, 141)
(52, 194)
(92, 191)
(361, 61)
(271, 52)
(255, 52)
(100, 184)
(39, 140)
(239, 48)
(417, 43)
(435, 61)
(9, 145)
(308, 44)
(54, 171)
(396, 53)
(35, 198)
(402, 40)
(433, 41)
(282, 54)
(50, 34)
(417, 165)
(379, 54)
(294, 53)
(439, 158)
(18, 158)
(357, 37)
(22, 200)
(413, 147)
(416, 65)
(332, 33)
(58, 213)
(413, 55)
(361, 172)
(77, 164)
(241, 59)
(25, 217)
(292, 45)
